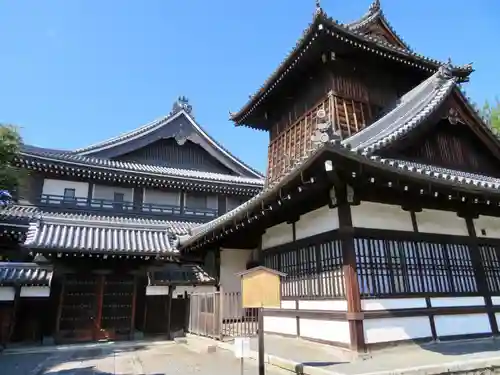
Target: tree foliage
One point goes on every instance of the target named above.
(10, 143)
(491, 111)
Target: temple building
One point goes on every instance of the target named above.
(89, 249)
(381, 202)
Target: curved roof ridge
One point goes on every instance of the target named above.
(92, 161)
(373, 14)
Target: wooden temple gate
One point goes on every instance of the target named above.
(96, 307)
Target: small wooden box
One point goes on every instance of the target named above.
(260, 287)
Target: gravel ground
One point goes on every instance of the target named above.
(170, 359)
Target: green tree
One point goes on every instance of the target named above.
(10, 144)
(492, 114)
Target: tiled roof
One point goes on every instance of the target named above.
(411, 111)
(175, 273)
(25, 274)
(324, 24)
(374, 14)
(17, 214)
(77, 160)
(154, 125)
(92, 233)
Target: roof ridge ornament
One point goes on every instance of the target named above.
(181, 104)
(318, 9)
(375, 6)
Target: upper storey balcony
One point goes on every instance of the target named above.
(75, 196)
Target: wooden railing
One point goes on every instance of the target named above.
(123, 206)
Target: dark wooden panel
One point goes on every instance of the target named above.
(450, 146)
(168, 153)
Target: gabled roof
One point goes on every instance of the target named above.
(181, 109)
(374, 16)
(412, 110)
(32, 154)
(323, 24)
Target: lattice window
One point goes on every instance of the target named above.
(389, 267)
(491, 264)
(311, 270)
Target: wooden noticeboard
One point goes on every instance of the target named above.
(260, 287)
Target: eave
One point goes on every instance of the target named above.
(322, 24)
(138, 174)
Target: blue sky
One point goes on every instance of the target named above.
(74, 72)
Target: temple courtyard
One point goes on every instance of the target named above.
(102, 359)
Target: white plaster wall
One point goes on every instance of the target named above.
(108, 192)
(56, 187)
(180, 290)
(489, 224)
(322, 220)
(7, 293)
(278, 235)
(35, 291)
(381, 216)
(449, 325)
(392, 304)
(276, 324)
(441, 222)
(232, 261)
(156, 290)
(396, 329)
(152, 196)
(329, 330)
(495, 300)
(330, 305)
(497, 318)
(457, 301)
(288, 305)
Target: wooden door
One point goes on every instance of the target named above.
(117, 307)
(79, 307)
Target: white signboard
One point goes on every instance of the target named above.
(242, 347)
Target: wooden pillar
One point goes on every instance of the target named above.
(482, 284)
(354, 312)
(12, 323)
(100, 297)
(132, 314)
(60, 306)
(169, 310)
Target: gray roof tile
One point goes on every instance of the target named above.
(124, 166)
(92, 233)
(25, 274)
(411, 110)
(175, 273)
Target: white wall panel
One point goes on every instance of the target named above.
(441, 222)
(322, 220)
(278, 235)
(392, 304)
(396, 329)
(381, 216)
(450, 325)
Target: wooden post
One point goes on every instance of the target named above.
(169, 310)
(132, 317)
(100, 297)
(354, 313)
(12, 323)
(480, 276)
(262, 365)
(60, 306)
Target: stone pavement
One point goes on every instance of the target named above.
(140, 359)
(303, 357)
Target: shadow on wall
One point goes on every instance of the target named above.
(83, 371)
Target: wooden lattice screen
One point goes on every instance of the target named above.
(346, 117)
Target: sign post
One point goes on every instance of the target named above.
(260, 288)
(242, 350)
